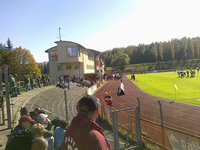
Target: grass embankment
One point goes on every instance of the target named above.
(168, 65)
(163, 85)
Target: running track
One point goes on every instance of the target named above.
(180, 116)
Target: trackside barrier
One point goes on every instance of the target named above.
(126, 121)
(153, 133)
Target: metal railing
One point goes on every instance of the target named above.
(156, 134)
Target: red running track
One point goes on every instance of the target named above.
(178, 115)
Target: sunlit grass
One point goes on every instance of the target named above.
(163, 85)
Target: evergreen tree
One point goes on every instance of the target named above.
(160, 52)
(9, 44)
(172, 50)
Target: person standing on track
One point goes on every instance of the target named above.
(121, 89)
(84, 133)
(108, 99)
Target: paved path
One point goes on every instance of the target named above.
(181, 116)
(52, 101)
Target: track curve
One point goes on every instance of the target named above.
(178, 115)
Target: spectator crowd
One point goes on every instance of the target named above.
(28, 83)
(36, 131)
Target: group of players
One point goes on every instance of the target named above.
(187, 74)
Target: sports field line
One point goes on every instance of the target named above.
(171, 98)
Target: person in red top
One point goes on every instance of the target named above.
(108, 99)
(84, 133)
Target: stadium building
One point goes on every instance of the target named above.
(74, 59)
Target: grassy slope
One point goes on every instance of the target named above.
(192, 63)
(162, 85)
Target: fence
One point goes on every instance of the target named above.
(155, 134)
(127, 121)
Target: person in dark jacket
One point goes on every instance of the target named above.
(19, 138)
(84, 133)
(31, 82)
(39, 81)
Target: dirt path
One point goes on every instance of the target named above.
(181, 116)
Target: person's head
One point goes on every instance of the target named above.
(42, 118)
(88, 106)
(106, 93)
(25, 121)
(39, 144)
(37, 130)
(23, 111)
(37, 110)
(63, 124)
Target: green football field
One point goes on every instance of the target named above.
(163, 85)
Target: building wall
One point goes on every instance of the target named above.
(62, 52)
(74, 69)
(99, 66)
(53, 69)
(89, 66)
(61, 65)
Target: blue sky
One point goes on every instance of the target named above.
(97, 24)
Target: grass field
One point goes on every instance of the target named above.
(163, 85)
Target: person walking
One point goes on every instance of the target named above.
(84, 133)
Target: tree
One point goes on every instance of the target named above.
(25, 63)
(160, 52)
(9, 44)
(172, 50)
(155, 51)
(190, 49)
(176, 49)
(184, 48)
(121, 61)
(6, 57)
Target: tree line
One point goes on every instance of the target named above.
(19, 60)
(176, 49)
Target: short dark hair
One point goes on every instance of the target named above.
(63, 124)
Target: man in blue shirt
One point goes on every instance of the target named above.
(59, 134)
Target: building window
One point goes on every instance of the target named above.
(68, 67)
(76, 67)
(90, 67)
(53, 56)
(71, 51)
(90, 56)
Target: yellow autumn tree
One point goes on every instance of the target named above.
(24, 63)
